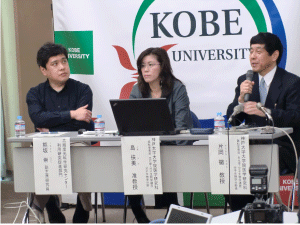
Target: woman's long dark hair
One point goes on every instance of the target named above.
(166, 74)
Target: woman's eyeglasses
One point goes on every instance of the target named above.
(150, 65)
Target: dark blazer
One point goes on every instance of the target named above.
(284, 101)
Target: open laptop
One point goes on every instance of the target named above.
(143, 116)
(179, 214)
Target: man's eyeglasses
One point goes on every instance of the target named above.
(150, 65)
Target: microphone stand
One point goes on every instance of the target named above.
(268, 129)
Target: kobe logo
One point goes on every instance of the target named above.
(125, 62)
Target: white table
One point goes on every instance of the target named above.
(184, 168)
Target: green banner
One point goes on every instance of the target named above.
(79, 45)
(199, 199)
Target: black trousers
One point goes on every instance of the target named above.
(161, 201)
(165, 200)
(287, 159)
(237, 202)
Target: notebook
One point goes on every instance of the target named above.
(179, 214)
(141, 117)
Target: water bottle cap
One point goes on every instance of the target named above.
(99, 116)
(218, 114)
(19, 117)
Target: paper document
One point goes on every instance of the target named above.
(141, 165)
(47, 134)
(52, 165)
(229, 167)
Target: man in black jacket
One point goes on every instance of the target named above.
(278, 91)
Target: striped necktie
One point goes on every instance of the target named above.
(263, 91)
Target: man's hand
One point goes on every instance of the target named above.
(250, 109)
(245, 88)
(43, 129)
(81, 114)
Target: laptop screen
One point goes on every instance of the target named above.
(145, 116)
(179, 214)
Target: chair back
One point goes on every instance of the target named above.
(196, 123)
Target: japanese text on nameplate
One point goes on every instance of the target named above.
(239, 164)
(141, 165)
(52, 165)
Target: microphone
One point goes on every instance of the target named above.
(264, 110)
(236, 110)
(249, 76)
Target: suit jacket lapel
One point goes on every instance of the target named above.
(274, 90)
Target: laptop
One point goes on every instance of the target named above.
(143, 116)
(179, 214)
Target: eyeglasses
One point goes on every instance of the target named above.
(150, 65)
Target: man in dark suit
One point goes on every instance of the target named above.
(278, 91)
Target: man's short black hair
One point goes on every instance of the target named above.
(271, 42)
(48, 50)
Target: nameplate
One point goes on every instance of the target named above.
(229, 168)
(52, 165)
(141, 165)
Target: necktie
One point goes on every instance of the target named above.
(263, 91)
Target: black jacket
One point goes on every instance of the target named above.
(283, 100)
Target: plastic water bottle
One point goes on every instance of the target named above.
(219, 123)
(99, 126)
(20, 127)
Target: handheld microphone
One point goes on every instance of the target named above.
(236, 110)
(264, 110)
(249, 76)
